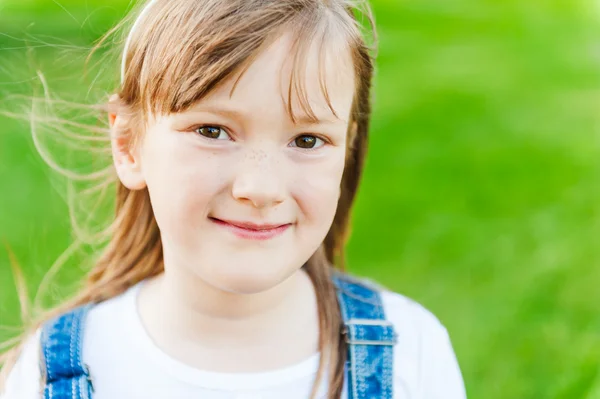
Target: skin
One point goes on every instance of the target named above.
(248, 298)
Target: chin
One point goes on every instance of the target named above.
(248, 281)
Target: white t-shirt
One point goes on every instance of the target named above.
(125, 363)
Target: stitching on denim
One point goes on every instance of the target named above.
(368, 357)
(51, 391)
(84, 388)
(354, 374)
(78, 338)
(388, 367)
(382, 335)
(46, 353)
(81, 388)
(72, 341)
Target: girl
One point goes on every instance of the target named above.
(238, 136)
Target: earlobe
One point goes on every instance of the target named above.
(126, 156)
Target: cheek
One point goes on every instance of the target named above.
(182, 181)
(317, 190)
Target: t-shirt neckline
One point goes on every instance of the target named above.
(150, 352)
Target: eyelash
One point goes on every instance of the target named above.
(317, 136)
(195, 129)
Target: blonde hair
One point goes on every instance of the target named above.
(215, 39)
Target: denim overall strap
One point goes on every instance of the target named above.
(370, 339)
(61, 359)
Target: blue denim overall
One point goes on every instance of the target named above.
(369, 336)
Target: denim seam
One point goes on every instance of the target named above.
(46, 360)
(61, 339)
(84, 388)
(78, 337)
(353, 363)
(366, 362)
(71, 342)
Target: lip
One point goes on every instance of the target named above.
(252, 231)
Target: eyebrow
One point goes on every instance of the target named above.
(306, 120)
(302, 120)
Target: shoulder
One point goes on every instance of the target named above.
(23, 380)
(425, 365)
(410, 318)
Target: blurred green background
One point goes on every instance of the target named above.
(481, 197)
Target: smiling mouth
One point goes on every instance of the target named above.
(252, 231)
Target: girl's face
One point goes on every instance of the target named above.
(242, 195)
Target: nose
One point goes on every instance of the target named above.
(259, 180)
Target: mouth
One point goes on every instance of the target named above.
(250, 230)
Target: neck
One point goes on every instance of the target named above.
(179, 306)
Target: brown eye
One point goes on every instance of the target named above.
(212, 132)
(307, 141)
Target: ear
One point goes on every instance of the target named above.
(125, 154)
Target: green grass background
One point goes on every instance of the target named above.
(481, 197)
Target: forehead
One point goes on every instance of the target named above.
(284, 78)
